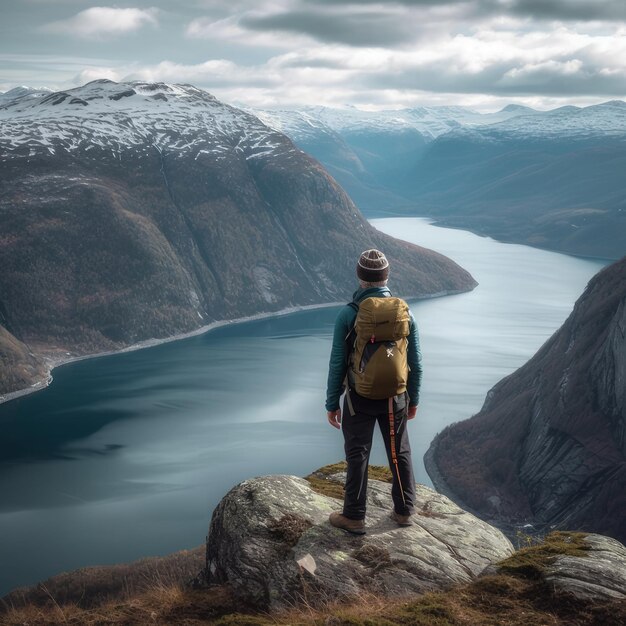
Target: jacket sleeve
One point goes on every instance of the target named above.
(414, 358)
(337, 366)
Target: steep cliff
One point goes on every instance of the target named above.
(549, 445)
(133, 211)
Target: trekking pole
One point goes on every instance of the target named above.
(394, 458)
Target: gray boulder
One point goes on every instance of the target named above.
(599, 574)
(271, 541)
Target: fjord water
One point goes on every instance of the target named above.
(126, 455)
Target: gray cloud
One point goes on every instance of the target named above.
(579, 10)
(360, 29)
(552, 78)
(583, 10)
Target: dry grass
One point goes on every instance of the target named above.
(500, 600)
(493, 600)
(95, 586)
(161, 604)
(289, 528)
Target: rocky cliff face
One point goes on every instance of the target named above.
(549, 446)
(133, 211)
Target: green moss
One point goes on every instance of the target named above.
(321, 479)
(326, 487)
(495, 585)
(380, 472)
(333, 468)
(530, 562)
(429, 610)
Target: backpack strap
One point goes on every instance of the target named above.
(348, 398)
(349, 341)
(355, 306)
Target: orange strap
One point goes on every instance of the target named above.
(392, 442)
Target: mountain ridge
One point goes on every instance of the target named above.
(137, 211)
(551, 179)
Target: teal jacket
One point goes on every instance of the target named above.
(338, 361)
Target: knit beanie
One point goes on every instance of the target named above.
(373, 266)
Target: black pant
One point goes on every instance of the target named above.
(358, 430)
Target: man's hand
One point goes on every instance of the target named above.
(334, 418)
(412, 412)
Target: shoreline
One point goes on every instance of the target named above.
(53, 362)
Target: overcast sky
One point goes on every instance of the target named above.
(480, 53)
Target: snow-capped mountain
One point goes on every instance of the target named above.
(126, 117)
(373, 153)
(600, 120)
(21, 94)
(134, 211)
(549, 178)
(428, 121)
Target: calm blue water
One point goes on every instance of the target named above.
(126, 456)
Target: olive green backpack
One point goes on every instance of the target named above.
(377, 363)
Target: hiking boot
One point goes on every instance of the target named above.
(354, 526)
(401, 520)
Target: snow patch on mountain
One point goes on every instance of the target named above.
(135, 116)
(431, 122)
(608, 118)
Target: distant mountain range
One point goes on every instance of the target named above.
(552, 179)
(549, 445)
(137, 210)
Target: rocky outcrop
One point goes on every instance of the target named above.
(580, 565)
(270, 540)
(135, 211)
(600, 574)
(548, 446)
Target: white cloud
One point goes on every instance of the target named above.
(104, 22)
(228, 29)
(96, 73)
(214, 72)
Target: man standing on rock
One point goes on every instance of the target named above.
(376, 359)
